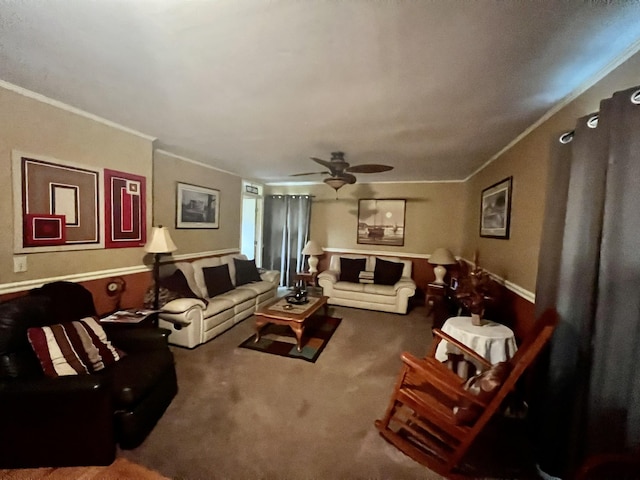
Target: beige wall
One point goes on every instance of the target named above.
(433, 214)
(38, 128)
(168, 171)
(527, 161)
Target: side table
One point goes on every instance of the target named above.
(307, 277)
(139, 317)
(494, 341)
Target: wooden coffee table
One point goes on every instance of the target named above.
(279, 312)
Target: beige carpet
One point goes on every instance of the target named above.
(121, 469)
(242, 414)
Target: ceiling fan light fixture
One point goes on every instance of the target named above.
(336, 182)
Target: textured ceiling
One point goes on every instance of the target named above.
(434, 88)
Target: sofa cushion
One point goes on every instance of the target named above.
(217, 305)
(387, 273)
(350, 268)
(259, 287)
(217, 279)
(246, 271)
(73, 348)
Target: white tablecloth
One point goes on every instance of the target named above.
(492, 340)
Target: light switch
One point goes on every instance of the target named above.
(20, 263)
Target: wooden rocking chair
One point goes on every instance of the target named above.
(434, 415)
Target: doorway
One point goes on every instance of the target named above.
(251, 224)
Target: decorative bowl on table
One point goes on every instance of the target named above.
(298, 297)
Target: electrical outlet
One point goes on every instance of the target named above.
(20, 264)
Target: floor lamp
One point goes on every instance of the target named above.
(159, 244)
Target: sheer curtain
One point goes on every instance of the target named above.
(589, 398)
(286, 231)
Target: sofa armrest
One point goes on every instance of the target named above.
(272, 276)
(330, 276)
(182, 305)
(407, 284)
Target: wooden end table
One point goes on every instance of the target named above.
(278, 313)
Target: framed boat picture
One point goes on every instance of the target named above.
(381, 222)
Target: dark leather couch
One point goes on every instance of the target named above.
(77, 420)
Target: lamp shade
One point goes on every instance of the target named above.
(312, 248)
(442, 256)
(160, 241)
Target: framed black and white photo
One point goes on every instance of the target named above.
(495, 212)
(197, 207)
(381, 222)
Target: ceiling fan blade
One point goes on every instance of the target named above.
(324, 163)
(309, 173)
(349, 178)
(369, 168)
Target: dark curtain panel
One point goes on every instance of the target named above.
(589, 398)
(286, 231)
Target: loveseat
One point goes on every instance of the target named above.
(68, 395)
(215, 294)
(368, 281)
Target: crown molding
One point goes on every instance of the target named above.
(606, 70)
(195, 162)
(68, 108)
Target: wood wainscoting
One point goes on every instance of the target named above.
(136, 284)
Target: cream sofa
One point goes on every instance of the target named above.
(193, 321)
(370, 296)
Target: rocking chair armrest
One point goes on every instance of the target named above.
(441, 378)
(468, 351)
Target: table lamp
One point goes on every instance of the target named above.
(312, 249)
(439, 258)
(160, 243)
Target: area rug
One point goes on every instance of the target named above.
(280, 339)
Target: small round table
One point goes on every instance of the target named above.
(494, 341)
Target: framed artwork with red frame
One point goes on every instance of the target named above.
(125, 209)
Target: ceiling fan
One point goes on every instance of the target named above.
(341, 172)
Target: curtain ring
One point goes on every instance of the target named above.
(593, 121)
(566, 137)
(635, 97)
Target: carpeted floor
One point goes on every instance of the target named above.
(242, 414)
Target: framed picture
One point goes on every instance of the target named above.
(381, 222)
(495, 210)
(197, 207)
(57, 205)
(125, 209)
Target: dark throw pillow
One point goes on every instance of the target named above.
(387, 273)
(246, 271)
(217, 280)
(350, 269)
(169, 288)
(177, 282)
